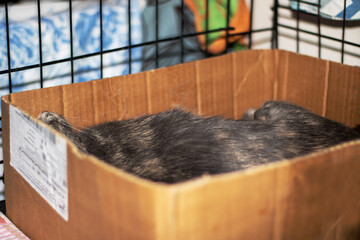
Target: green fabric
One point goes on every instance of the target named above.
(217, 15)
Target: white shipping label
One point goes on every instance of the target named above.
(39, 156)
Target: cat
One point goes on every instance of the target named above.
(176, 145)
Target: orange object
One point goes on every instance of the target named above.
(217, 19)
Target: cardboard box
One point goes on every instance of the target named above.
(313, 197)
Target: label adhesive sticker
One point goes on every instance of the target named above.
(39, 156)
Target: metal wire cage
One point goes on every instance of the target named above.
(297, 25)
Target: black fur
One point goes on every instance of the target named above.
(176, 145)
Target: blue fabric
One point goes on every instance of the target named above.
(333, 9)
(55, 26)
(351, 11)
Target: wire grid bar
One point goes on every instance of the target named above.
(129, 36)
(318, 34)
(156, 33)
(116, 50)
(182, 26)
(101, 40)
(40, 44)
(72, 58)
(8, 44)
(275, 34)
(343, 34)
(71, 43)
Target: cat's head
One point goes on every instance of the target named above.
(56, 121)
(278, 110)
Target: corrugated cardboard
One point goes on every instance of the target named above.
(314, 197)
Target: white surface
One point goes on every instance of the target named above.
(330, 49)
(39, 156)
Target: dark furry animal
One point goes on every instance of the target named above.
(175, 145)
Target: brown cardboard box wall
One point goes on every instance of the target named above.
(314, 197)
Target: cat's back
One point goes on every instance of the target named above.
(176, 143)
